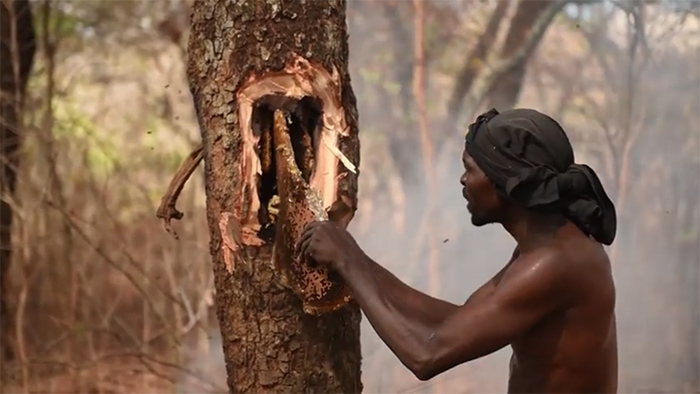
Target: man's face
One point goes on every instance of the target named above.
(483, 201)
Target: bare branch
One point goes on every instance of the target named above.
(166, 209)
(484, 84)
(476, 60)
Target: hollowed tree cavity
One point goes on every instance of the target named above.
(303, 122)
(310, 94)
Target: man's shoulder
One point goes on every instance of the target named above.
(557, 266)
(566, 252)
(534, 279)
(571, 268)
(546, 259)
(541, 267)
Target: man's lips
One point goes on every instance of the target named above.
(464, 194)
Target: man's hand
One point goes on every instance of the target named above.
(328, 243)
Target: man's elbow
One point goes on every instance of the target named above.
(423, 374)
(429, 361)
(424, 369)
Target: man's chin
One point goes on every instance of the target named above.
(479, 221)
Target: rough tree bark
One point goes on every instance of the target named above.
(17, 48)
(270, 344)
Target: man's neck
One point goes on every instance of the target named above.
(531, 230)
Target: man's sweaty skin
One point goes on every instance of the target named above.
(553, 302)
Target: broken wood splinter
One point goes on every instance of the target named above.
(167, 210)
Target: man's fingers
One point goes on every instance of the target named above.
(304, 248)
(306, 233)
(302, 238)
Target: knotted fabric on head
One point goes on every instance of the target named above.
(529, 158)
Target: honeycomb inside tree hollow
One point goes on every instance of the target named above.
(290, 124)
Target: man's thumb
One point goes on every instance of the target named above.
(340, 213)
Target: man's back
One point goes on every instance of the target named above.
(574, 349)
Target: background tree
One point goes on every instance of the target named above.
(17, 48)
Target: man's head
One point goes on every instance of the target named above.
(523, 158)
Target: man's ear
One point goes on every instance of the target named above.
(341, 212)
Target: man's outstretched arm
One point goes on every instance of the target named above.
(530, 291)
(429, 311)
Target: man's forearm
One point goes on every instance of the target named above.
(400, 315)
(429, 310)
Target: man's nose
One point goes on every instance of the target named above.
(463, 180)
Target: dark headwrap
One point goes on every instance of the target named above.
(529, 158)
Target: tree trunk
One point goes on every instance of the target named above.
(239, 54)
(17, 48)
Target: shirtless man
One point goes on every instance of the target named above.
(553, 302)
